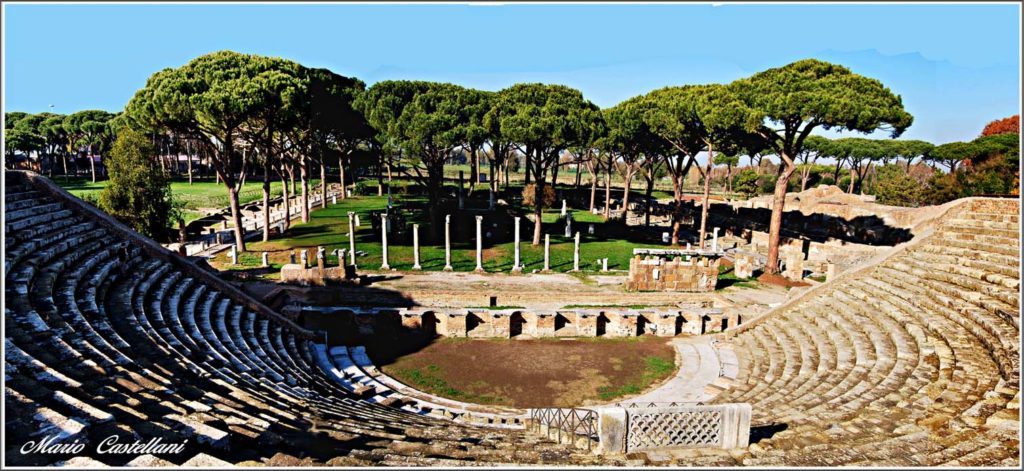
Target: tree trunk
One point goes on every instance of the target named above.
(286, 199)
(304, 177)
(538, 203)
(627, 185)
(189, 155)
(92, 164)
(323, 185)
(579, 176)
(608, 189)
(775, 225)
(647, 194)
(266, 199)
(474, 170)
(707, 197)
(236, 217)
(528, 166)
(341, 175)
(593, 189)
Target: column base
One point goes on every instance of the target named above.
(480, 270)
(448, 268)
(517, 270)
(417, 267)
(385, 267)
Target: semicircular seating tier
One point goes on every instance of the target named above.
(913, 361)
(109, 334)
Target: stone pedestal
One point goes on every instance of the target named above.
(265, 259)
(304, 257)
(321, 257)
(794, 267)
(743, 266)
(830, 272)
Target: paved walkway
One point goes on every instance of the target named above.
(705, 370)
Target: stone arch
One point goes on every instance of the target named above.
(516, 324)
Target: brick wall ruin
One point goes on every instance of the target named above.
(682, 273)
(509, 323)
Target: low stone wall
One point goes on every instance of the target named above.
(693, 274)
(625, 430)
(508, 323)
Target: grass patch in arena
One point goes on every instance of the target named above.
(546, 372)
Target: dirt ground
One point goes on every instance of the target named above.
(531, 373)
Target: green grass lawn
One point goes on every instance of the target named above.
(329, 228)
(200, 194)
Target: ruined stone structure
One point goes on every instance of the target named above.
(508, 323)
(686, 271)
(108, 333)
(910, 360)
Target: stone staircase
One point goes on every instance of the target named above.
(108, 334)
(913, 362)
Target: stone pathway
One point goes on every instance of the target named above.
(705, 370)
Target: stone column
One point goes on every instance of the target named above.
(490, 197)
(334, 199)
(479, 245)
(352, 238)
(384, 242)
(714, 241)
(568, 226)
(321, 258)
(448, 242)
(304, 256)
(416, 247)
(830, 271)
(516, 267)
(576, 253)
(461, 181)
(547, 252)
(564, 207)
(604, 264)
(265, 259)
(234, 254)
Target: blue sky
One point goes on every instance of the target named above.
(956, 66)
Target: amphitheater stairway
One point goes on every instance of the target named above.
(912, 362)
(107, 334)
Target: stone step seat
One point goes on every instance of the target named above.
(1001, 296)
(989, 229)
(980, 268)
(12, 216)
(22, 203)
(345, 373)
(63, 304)
(767, 348)
(245, 341)
(981, 245)
(12, 194)
(17, 251)
(821, 367)
(998, 259)
(17, 225)
(981, 330)
(793, 361)
(1000, 286)
(992, 217)
(1003, 323)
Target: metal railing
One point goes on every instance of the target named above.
(573, 422)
